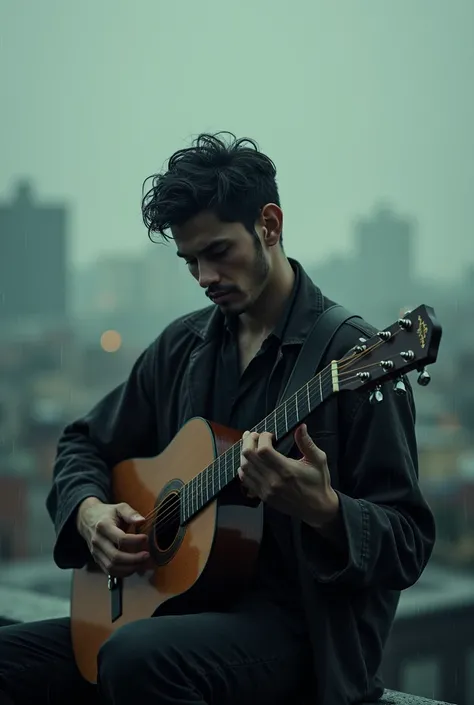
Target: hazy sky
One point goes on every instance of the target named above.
(355, 100)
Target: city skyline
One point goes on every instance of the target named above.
(26, 190)
(366, 103)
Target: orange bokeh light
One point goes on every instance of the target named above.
(110, 341)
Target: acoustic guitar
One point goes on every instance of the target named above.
(204, 533)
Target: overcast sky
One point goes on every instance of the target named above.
(356, 100)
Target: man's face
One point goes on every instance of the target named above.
(226, 260)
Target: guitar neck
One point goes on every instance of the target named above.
(206, 486)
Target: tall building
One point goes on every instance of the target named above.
(33, 259)
(384, 253)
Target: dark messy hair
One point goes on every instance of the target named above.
(230, 177)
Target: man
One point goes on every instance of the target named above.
(346, 527)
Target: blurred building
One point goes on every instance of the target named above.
(33, 260)
(378, 279)
(384, 254)
(37, 362)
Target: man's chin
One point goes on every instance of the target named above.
(233, 308)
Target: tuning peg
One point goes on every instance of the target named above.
(360, 348)
(399, 387)
(424, 378)
(376, 395)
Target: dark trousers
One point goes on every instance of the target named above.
(252, 654)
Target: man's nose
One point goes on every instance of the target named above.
(207, 276)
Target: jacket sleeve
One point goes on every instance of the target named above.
(385, 529)
(121, 426)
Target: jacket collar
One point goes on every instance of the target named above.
(304, 305)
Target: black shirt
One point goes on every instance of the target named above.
(241, 401)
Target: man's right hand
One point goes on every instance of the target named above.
(102, 525)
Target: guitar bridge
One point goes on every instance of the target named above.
(115, 588)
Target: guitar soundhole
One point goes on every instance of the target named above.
(167, 524)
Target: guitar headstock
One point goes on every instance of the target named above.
(410, 343)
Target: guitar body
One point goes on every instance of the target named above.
(192, 566)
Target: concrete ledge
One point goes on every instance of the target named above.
(392, 697)
(19, 605)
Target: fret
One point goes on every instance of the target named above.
(283, 429)
(184, 503)
(191, 492)
(227, 474)
(226, 467)
(296, 408)
(289, 413)
(274, 420)
(189, 509)
(205, 486)
(230, 462)
(297, 416)
(320, 387)
(223, 467)
(219, 477)
(224, 471)
(216, 474)
(308, 397)
(286, 417)
(275, 423)
(235, 461)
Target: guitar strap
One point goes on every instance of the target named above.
(311, 355)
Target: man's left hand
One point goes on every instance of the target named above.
(300, 488)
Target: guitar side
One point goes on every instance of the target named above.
(209, 559)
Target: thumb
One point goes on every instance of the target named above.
(306, 445)
(125, 512)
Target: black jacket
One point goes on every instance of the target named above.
(351, 595)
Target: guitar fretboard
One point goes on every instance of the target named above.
(205, 486)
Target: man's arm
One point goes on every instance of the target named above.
(383, 531)
(122, 425)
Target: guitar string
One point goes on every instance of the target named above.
(291, 417)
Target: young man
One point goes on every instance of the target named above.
(346, 528)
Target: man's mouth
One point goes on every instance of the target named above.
(219, 296)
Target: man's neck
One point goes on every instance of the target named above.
(266, 312)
